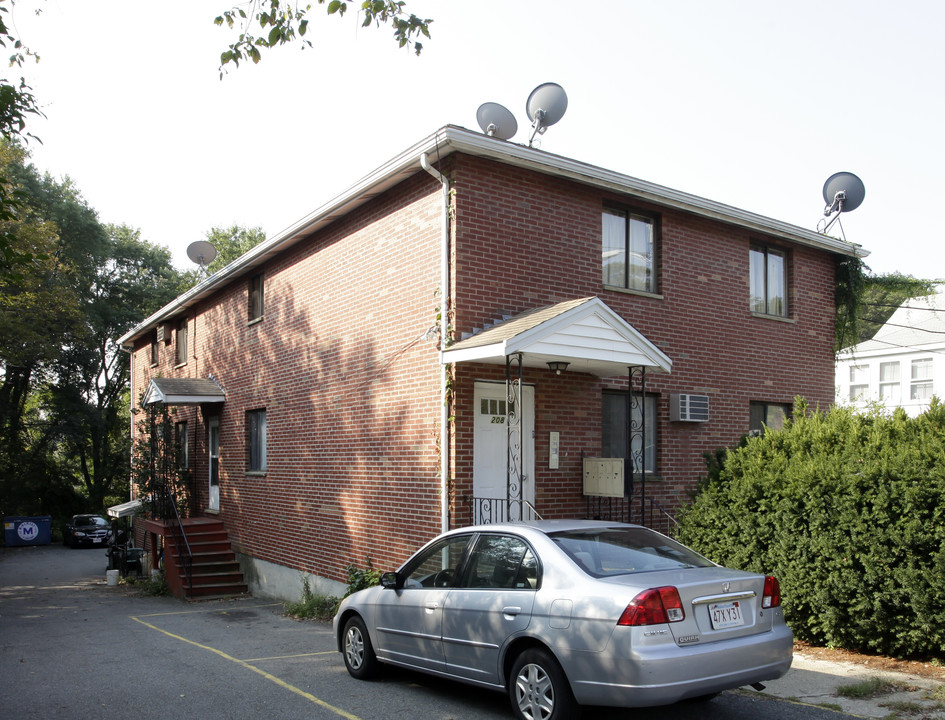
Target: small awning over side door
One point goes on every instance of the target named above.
(184, 391)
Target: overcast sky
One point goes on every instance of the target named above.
(753, 104)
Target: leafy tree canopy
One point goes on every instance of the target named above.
(286, 21)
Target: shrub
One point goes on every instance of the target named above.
(847, 510)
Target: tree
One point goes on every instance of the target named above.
(882, 295)
(63, 392)
(286, 21)
(230, 243)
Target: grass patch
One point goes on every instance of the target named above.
(871, 688)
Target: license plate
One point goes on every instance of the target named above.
(726, 615)
(96, 540)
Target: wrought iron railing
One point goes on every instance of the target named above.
(641, 511)
(494, 510)
(185, 557)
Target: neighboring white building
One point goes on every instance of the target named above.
(903, 365)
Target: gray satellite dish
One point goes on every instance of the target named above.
(496, 121)
(843, 192)
(545, 106)
(201, 252)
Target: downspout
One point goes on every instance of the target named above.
(444, 335)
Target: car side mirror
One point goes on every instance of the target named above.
(392, 581)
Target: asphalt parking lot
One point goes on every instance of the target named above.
(73, 647)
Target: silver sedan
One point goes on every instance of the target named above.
(560, 614)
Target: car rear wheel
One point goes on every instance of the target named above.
(539, 689)
(359, 653)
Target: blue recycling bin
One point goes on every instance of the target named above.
(19, 531)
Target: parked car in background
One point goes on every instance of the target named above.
(560, 614)
(86, 531)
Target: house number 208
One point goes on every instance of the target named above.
(498, 420)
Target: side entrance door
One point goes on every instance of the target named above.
(213, 443)
(490, 452)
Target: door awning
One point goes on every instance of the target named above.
(584, 332)
(125, 509)
(183, 391)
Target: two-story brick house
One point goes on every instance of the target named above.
(455, 338)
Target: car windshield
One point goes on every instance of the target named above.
(604, 552)
(91, 522)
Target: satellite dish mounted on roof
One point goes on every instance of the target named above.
(843, 192)
(496, 120)
(202, 253)
(546, 105)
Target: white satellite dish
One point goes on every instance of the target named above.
(545, 106)
(201, 252)
(496, 120)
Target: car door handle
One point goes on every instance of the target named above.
(431, 607)
(511, 611)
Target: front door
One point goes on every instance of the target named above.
(213, 442)
(490, 454)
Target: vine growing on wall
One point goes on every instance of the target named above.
(849, 284)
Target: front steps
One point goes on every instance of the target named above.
(214, 571)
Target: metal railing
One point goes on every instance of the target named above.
(646, 511)
(494, 510)
(185, 557)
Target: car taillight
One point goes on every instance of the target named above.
(772, 592)
(653, 607)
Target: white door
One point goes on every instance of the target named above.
(490, 450)
(213, 442)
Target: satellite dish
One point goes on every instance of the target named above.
(545, 106)
(843, 192)
(201, 252)
(496, 121)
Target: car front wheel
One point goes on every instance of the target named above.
(539, 689)
(359, 654)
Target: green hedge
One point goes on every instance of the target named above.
(847, 511)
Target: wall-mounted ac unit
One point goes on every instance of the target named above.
(160, 333)
(163, 333)
(689, 408)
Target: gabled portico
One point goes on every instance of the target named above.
(583, 335)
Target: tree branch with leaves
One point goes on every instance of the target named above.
(285, 21)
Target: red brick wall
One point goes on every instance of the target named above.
(547, 234)
(351, 392)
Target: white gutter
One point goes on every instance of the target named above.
(444, 336)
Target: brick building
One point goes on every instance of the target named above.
(589, 316)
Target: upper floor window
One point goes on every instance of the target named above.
(181, 335)
(155, 350)
(921, 379)
(767, 416)
(889, 382)
(628, 250)
(256, 440)
(768, 273)
(256, 297)
(859, 382)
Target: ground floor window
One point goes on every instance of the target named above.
(767, 416)
(256, 440)
(615, 429)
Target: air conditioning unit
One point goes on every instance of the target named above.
(689, 408)
(160, 332)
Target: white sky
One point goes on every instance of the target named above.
(753, 104)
